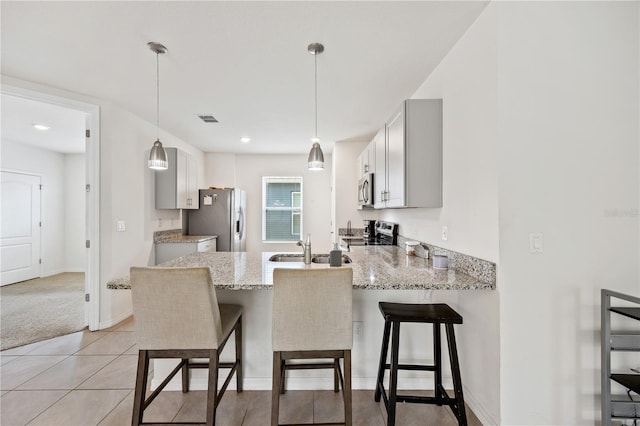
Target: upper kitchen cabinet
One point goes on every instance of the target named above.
(409, 158)
(177, 187)
(366, 161)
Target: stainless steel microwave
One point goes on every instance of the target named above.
(365, 191)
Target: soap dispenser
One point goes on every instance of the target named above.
(335, 256)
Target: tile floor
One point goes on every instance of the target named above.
(85, 379)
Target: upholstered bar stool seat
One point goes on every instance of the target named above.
(312, 317)
(437, 314)
(177, 315)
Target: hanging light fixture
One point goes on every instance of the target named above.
(316, 158)
(158, 155)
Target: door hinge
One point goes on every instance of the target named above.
(87, 133)
(87, 244)
(40, 224)
(40, 261)
(41, 186)
(86, 297)
(87, 187)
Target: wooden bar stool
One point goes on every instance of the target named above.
(437, 314)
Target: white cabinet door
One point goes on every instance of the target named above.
(177, 187)
(380, 178)
(395, 161)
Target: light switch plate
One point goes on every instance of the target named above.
(536, 243)
(445, 233)
(121, 225)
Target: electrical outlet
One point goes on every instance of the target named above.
(358, 330)
(445, 233)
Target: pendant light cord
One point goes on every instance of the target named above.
(158, 95)
(315, 56)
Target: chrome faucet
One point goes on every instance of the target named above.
(306, 247)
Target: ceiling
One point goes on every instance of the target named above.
(245, 63)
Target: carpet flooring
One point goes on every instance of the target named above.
(42, 308)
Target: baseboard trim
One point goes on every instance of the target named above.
(115, 320)
(316, 383)
(478, 409)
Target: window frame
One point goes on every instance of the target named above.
(294, 210)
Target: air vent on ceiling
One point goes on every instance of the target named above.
(208, 118)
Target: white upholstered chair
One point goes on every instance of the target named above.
(312, 319)
(177, 315)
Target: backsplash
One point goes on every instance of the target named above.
(355, 232)
(481, 269)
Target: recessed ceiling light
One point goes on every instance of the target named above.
(245, 139)
(39, 126)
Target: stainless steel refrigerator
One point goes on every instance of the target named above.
(221, 213)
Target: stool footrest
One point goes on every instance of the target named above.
(413, 367)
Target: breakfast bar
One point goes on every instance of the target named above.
(374, 268)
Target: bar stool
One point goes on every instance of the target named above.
(178, 316)
(437, 314)
(311, 320)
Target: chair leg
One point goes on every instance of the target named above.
(437, 361)
(275, 388)
(238, 333)
(185, 375)
(393, 374)
(141, 386)
(283, 376)
(336, 377)
(212, 388)
(347, 389)
(455, 372)
(383, 360)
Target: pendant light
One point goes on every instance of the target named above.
(158, 155)
(316, 158)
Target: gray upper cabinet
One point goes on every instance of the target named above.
(177, 187)
(409, 157)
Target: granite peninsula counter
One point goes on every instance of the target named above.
(374, 268)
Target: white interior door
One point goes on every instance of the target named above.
(20, 227)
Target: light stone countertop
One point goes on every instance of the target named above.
(374, 268)
(179, 238)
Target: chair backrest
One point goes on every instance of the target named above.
(312, 309)
(175, 308)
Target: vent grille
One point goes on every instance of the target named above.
(208, 118)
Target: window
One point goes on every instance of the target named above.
(281, 208)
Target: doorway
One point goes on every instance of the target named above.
(89, 184)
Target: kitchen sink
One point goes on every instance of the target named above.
(316, 258)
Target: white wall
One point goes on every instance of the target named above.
(249, 170)
(569, 132)
(74, 225)
(345, 186)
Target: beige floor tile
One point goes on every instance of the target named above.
(114, 343)
(7, 358)
(366, 412)
(259, 408)
(128, 324)
(69, 373)
(328, 407)
(19, 371)
(165, 407)
(67, 344)
(81, 408)
(23, 350)
(133, 350)
(121, 415)
(118, 374)
(20, 407)
(296, 407)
